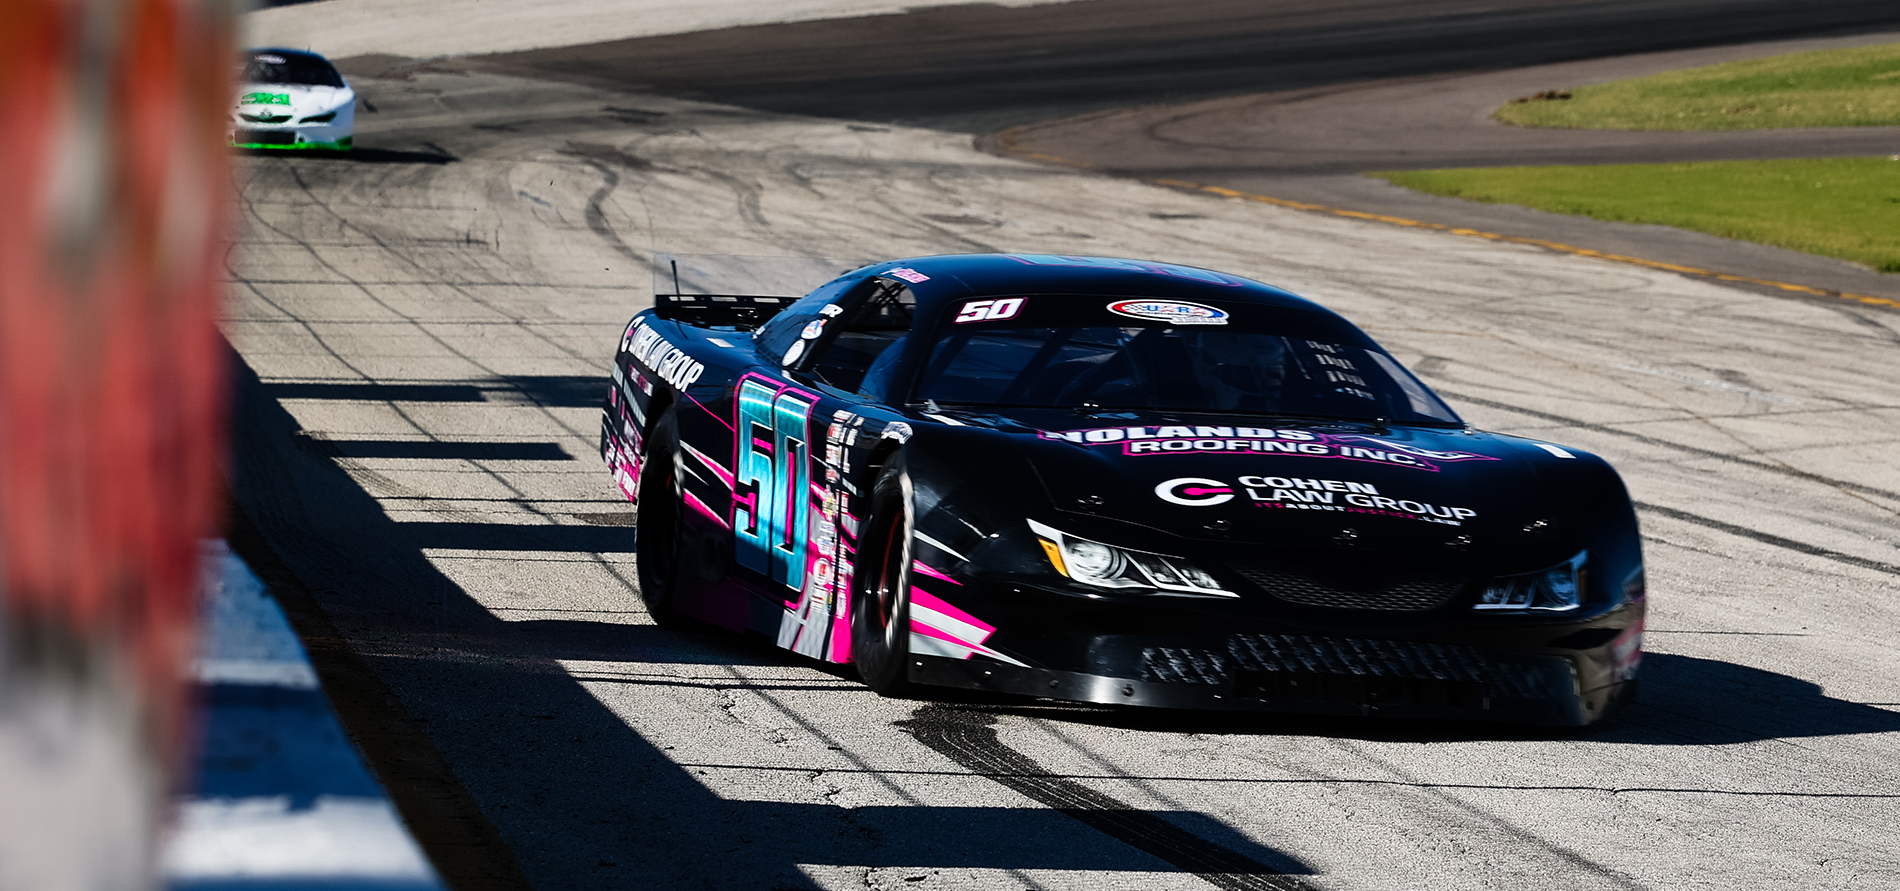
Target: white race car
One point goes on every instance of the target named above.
(290, 99)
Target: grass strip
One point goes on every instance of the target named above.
(1858, 87)
(1848, 208)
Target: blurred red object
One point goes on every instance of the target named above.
(114, 195)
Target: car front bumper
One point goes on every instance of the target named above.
(1554, 674)
(328, 137)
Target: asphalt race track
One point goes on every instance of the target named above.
(422, 332)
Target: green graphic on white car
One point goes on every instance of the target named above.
(291, 99)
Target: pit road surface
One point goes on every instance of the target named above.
(424, 331)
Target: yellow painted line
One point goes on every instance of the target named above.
(1008, 141)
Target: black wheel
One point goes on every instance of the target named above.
(659, 549)
(880, 596)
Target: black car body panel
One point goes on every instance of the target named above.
(1393, 564)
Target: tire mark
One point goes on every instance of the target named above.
(603, 158)
(1782, 469)
(1766, 538)
(969, 739)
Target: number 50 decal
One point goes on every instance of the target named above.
(990, 310)
(771, 503)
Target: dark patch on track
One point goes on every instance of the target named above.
(980, 67)
(969, 738)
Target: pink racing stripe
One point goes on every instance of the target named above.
(724, 475)
(715, 415)
(933, 572)
(693, 500)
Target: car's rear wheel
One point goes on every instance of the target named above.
(659, 549)
(880, 596)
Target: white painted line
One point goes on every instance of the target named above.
(281, 795)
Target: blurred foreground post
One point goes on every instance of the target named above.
(113, 192)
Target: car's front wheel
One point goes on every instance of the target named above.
(880, 596)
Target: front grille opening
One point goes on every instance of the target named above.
(1365, 589)
(264, 137)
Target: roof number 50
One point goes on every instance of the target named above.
(989, 310)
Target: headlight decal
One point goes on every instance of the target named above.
(1115, 568)
(1055, 554)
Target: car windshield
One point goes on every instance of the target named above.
(288, 68)
(1174, 368)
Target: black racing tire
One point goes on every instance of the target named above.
(660, 554)
(880, 595)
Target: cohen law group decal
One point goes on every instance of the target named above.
(1173, 440)
(1294, 493)
(1179, 312)
(659, 355)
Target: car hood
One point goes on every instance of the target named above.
(1299, 484)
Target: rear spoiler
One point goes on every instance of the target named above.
(742, 311)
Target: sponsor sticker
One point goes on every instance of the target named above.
(989, 310)
(812, 330)
(269, 58)
(264, 99)
(660, 356)
(1179, 312)
(1225, 440)
(909, 275)
(1298, 493)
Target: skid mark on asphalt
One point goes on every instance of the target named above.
(969, 739)
(1775, 467)
(601, 158)
(1765, 538)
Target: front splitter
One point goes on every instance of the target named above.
(1342, 695)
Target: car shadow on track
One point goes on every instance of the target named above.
(580, 796)
(1685, 700)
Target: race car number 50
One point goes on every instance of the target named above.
(990, 310)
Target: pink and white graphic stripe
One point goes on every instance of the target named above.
(939, 629)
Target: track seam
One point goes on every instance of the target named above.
(1007, 142)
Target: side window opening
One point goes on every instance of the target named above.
(780, 334)
(864, 341)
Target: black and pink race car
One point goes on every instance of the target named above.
(1113, 481)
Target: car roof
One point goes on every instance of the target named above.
(949, 277)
